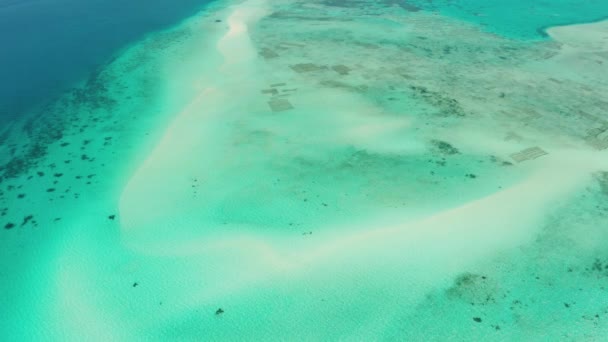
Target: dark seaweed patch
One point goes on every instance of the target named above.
(445, 148)
(21, 165)
(598, 268)
(447, 106)
(472, 288)
(94, 94)
(27, 219)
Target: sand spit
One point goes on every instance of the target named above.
(157, 185)
(591, 37)
(326, 172)
(401, 256)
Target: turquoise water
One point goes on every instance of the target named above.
(520, 19)
(327, 170)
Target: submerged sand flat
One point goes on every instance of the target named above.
(277, 170)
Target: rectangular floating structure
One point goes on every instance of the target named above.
(337, 84)
(293, 44)
(591, 117)
(271, 91)
(513, 136)
(268, 53)
(305, 67)
(528, 154)
(598, 143)
(596, 131)
(341, 69)
(280, 105)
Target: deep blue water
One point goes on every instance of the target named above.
(48, 45)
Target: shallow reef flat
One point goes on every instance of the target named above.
(316, 170)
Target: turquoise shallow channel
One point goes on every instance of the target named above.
(275, 170)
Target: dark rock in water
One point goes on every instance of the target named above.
(21, 196)
(219, 311)
(477, 319)
(218, 20)
(50, 190)
(9, 225)
(135, 284)
(26, 219)
(111, 217)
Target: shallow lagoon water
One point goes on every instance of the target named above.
(316, 171)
